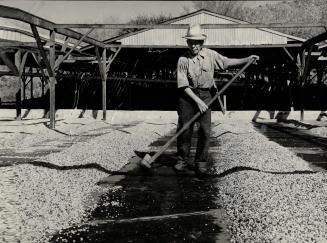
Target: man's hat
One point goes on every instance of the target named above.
(194, 32)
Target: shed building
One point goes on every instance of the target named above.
(145, 69)
(142, 71)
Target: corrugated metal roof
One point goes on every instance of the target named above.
(15, 36)
(216, 37)
(14, 30)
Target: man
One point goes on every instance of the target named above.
(195, 71)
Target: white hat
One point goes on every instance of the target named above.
(194, 32)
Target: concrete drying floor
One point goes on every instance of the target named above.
(161, 205)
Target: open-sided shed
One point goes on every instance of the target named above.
(143, 62)
(148, 59)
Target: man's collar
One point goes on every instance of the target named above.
(201, 53)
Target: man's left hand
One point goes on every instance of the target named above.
(255, 57)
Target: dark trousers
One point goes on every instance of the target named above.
(186, 109)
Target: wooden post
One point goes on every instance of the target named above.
(23, 83)
(17, 69)
(52, 81)
(292, 58)
(42, 85)
(104, 84)
(62, 58)
(303, 62)
(103, 75)
(31, 88)
(21, 69)
(305, 68)
(225, 102)
(49, 69)
(18, 59)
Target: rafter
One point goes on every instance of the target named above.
(15, 13)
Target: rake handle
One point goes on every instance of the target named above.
(196, 116)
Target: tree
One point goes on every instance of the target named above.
(144, 19)
(102, 33)
(298, 11)
(295, 11)
(227, 8)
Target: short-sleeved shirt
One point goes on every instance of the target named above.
(197, 71)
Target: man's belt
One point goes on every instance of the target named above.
(201, 89)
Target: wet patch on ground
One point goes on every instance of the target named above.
(159, 205)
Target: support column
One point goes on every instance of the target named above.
(301, 85)
(104, 84)
(225, 102)
(103, 75)
(31, 88)
(305, 65)
(18, 60)
(49, 68)
(52, 85)
(42, 85)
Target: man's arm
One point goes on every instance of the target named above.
(230, 62)
(183, 83)
(200, 103)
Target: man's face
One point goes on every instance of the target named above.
(195, 46)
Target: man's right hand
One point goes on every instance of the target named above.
(202, 106)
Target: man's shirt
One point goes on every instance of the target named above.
(197, 71)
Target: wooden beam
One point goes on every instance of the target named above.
(24, 32)
(303, 60)
(308, 44)
(209, 46)
(18, 60)
(303, 64)
(41, 50)
(99, 62)
(16, 44)
(102, 68)
(6, 73)
(225, 103)
(52, 80)
(63, 49)
(81, 58)
(49, 69)
(72, 49)
(22, 65)
(8, 62)
(291, 57)
(21, 68)
(104, 84)
(185, 26)
(40, 68)
(15, 13)
(314, 40)
(31, 80)
(307, 64)
(111, 59)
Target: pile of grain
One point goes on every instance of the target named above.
(50, 197)
(274, 197)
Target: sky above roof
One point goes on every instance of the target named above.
(98, 11)
(101, 11)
